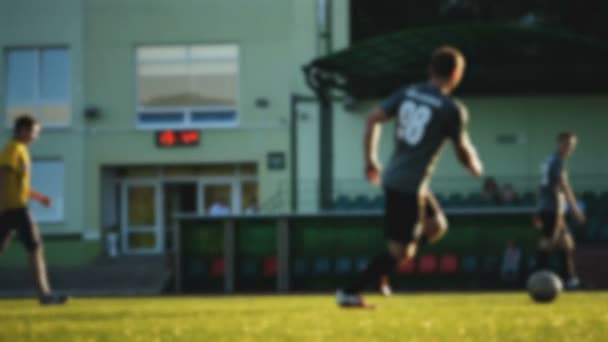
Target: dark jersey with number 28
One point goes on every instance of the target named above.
(426, 118)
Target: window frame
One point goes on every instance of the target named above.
(38, 50)
(186, 111)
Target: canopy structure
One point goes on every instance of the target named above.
(501, 59)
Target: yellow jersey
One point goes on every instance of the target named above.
(16, 158)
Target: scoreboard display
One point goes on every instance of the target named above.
(177, 138)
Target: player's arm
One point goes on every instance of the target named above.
(463, 147)
(467, 154)
(373, 131)
(567, 189)
(43, 199)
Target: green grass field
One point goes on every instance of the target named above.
(432, 317)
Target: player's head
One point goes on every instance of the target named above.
(447, 65)
(26, 128)
(566, 143)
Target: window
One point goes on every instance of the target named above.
(38, 83)
(48, 178)
(187, 86)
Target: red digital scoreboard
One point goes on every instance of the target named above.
(177, 138)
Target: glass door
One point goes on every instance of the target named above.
(220, 198)
(141, 219)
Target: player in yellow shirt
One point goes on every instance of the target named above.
(15, 192)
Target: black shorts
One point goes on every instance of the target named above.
(402, 213)
(18, 220)
(550, 223)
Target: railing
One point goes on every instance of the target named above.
(444, 187)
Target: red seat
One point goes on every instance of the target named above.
(217, 267)
(271, 266)
(448, 264)
(407, 267)
(427, 264)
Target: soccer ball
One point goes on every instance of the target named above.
(544, 286)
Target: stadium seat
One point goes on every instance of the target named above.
(196, 267)
(361, 263)
(249, 267)
(322, 265)
(343, 203)
(408, 267)
(440, 198)
(217, 267)
(528, 199)
(589, 198)
(362, 202)
(455, 201)
(427, 264)
(344, 265)
(469, 264)
(592, 229)
(271, 266)
(448, 264)
(378, 203)
(490, 264)
(300, 267)
(474, 199)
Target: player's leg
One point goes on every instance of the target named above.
(434, 227)
(435, 223)
(6, 231)
(549, 224)
(567, 249)
(30, 236)
(401, 232)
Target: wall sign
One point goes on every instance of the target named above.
(177, 138)
(276, 161)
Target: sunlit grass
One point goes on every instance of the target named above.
(434, 317)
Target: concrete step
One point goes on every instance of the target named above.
(123, 275)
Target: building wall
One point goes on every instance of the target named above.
(36, 24)
(274, 37)
(535, 120)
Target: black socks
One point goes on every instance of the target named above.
(383, 264)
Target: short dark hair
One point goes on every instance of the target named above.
(565, 135)
(24, 122)
(444, 61)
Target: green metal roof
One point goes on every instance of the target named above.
(500, 59)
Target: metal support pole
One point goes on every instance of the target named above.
(229, 255)
(293, 155)
(326, 149)
(177, 257)
(283, 254)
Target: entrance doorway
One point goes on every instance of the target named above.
(148, 196)
(141, 231)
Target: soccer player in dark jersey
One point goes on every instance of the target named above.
(555, 191)
(15, 192)
(426, 117)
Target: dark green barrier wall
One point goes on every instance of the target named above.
(256, 255)
(328, 252)
(202, 251)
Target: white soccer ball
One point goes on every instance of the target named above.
(544, 286)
